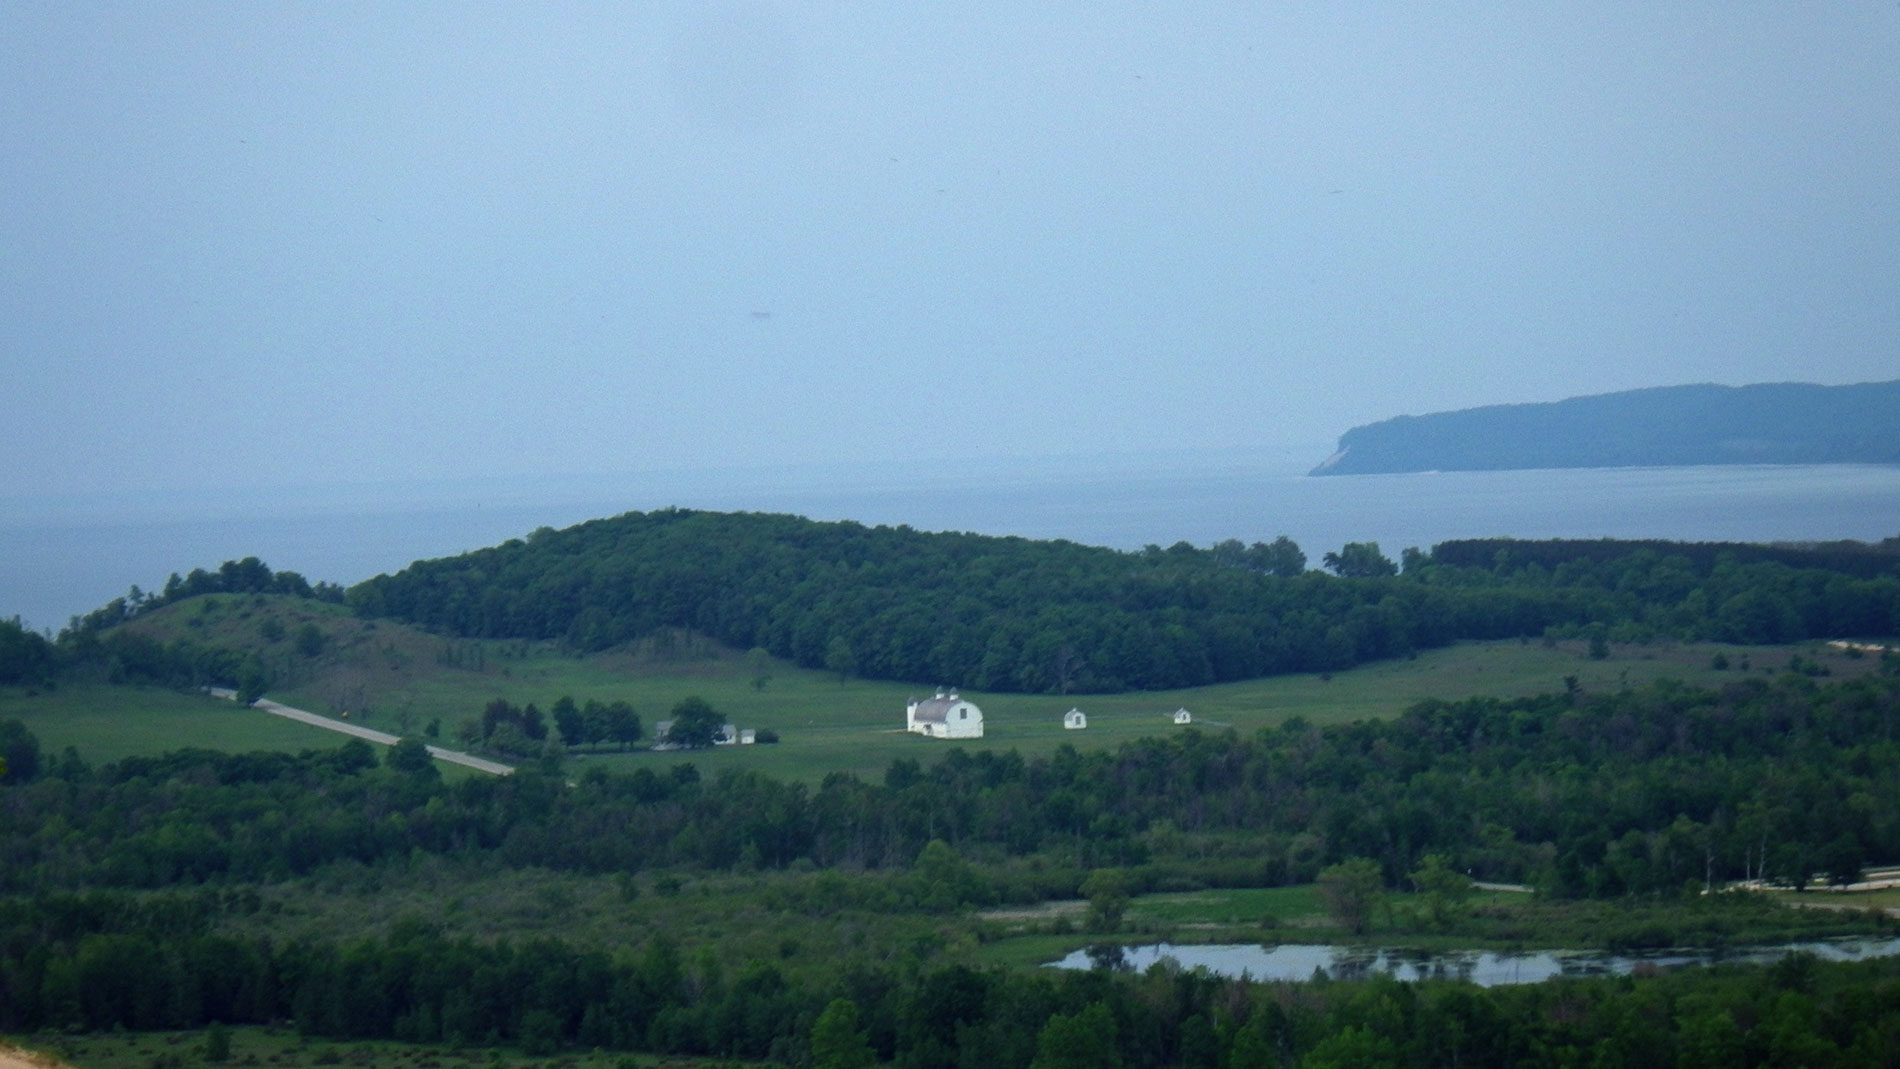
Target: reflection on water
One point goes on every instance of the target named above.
(1486, 968)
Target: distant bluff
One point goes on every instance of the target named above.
(1770, 423)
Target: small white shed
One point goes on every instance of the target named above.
(1075, 720)
(1182, 716)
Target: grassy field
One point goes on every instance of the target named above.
(398, 679)
(105, 723)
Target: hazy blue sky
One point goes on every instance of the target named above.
(276, 243)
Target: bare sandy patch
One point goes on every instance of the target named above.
(15, 1058)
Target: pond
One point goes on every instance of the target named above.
(1486, 968)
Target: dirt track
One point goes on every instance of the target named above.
(381, 738)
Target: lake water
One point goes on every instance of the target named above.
(59, 558)
(1484, 968)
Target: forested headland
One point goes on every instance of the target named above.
(1766, 423)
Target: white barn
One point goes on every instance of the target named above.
(1182, 716)
(945, 716)
(1075, 720)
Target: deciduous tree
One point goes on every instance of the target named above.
(1360, 560)
(695, 724)
(1351, 891)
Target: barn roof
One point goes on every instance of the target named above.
(937, 710)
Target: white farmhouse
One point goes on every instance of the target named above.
(1075, 720)
(1182, 716)
(727, 735)
(945, 716)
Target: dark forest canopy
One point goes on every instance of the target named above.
(1770, 423)
(1019, 615)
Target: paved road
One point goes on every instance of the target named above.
(381, 738)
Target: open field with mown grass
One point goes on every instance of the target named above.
(399, 679)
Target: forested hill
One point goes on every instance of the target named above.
(968, 610)
(1012, 614)
(1778, 423)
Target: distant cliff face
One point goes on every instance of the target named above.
(1778, 423)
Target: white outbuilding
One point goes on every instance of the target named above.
(945, 716)
(1075, 720)
(1182, 716)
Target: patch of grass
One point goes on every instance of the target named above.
(1270, 907)
(105, 723)
(1032, 951)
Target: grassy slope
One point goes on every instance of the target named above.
(397, 678)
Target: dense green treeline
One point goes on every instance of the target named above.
(1753, 595)
(991, 613)
(1582, 794)
(102, 962)
(1011, 614)
(1017, 615)
(1861, 560)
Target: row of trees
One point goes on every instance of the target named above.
(1011, 614)
(523, 731)
(596, 723)
(1582, 794)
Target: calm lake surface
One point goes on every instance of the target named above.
(63, 557)
(1485, 968)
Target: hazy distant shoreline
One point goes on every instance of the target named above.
(1668, 426)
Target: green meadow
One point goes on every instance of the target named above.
(399, 679)
(105, 723)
